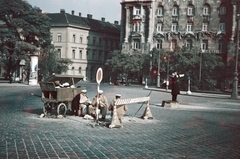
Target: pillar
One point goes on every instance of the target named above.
(33, 77)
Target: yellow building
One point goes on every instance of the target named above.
(84, 40)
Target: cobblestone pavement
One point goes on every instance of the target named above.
(173, 133)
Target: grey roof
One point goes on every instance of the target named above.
(66, 19)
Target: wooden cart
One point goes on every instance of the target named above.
(59, 99)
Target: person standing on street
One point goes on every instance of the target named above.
(175, 85)
(102, 104)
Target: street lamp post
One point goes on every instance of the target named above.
(158, 75)
(235, 80)
(167, 82)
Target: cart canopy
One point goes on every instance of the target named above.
(71, 79)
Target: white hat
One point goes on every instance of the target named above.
(84, 91)
(100, 91)
(66, 84)
(118, 95)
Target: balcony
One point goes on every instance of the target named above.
(137, 17)
(206, 18)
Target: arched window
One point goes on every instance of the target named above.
(190, 10)
(175, 10)
(173, 45)
(222, 9)
(206, 9)
(159, 44)
(160, 11)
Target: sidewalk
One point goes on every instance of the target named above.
(6, 83)
(196, 94)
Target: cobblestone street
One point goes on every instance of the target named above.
(173, 133)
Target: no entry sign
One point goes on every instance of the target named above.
(99, 75)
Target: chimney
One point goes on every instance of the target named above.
(116, 22)
(72, 12)
(80, 14)
(89, 16)
(103, 19)
(62, 11)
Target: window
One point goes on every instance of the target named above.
(205, 27)
(80, 54)
(73, 54)
(99, 55)
(174, 27)
(220, 47)
(74, 38)
(190, 10)
(160, 11)
(137, 11)
(189, 27)
(93, 55)
(189, 44)
(73, 71)
(204, 45)
(59, 37)
(159, 44)
(222, 10)
(159, 27)
(87, 55)
(206, 10)
(173, 45)
(58, 53)
(222, 27)
(136, 27)
(88, 39)
(100, 41)
(81, 40)
(136, 44)
(106, 43)
(175, 11)
(80, 70)
(94, 40)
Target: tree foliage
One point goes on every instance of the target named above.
(25, 31)
(129, 65)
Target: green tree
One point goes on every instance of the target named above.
(204, 69)
(130, 65)
(26, 31)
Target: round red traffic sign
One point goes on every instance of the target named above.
(99, 75)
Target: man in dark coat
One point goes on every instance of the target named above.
(175, 85)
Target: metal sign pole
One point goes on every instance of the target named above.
(99, 76)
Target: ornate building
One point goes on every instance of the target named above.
(85, 41)
(209, 25)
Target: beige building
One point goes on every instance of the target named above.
(84, 40)
(209, 25)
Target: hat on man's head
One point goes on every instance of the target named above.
(118, 95)
(100, 91)
(84, 91)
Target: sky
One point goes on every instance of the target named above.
(109, 9)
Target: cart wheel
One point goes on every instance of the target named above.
(61, 109)
(47, 109)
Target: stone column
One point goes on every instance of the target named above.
(127, 25)
(33, 78)
(150, 25)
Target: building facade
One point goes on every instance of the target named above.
(209, 25)
(84, 40)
